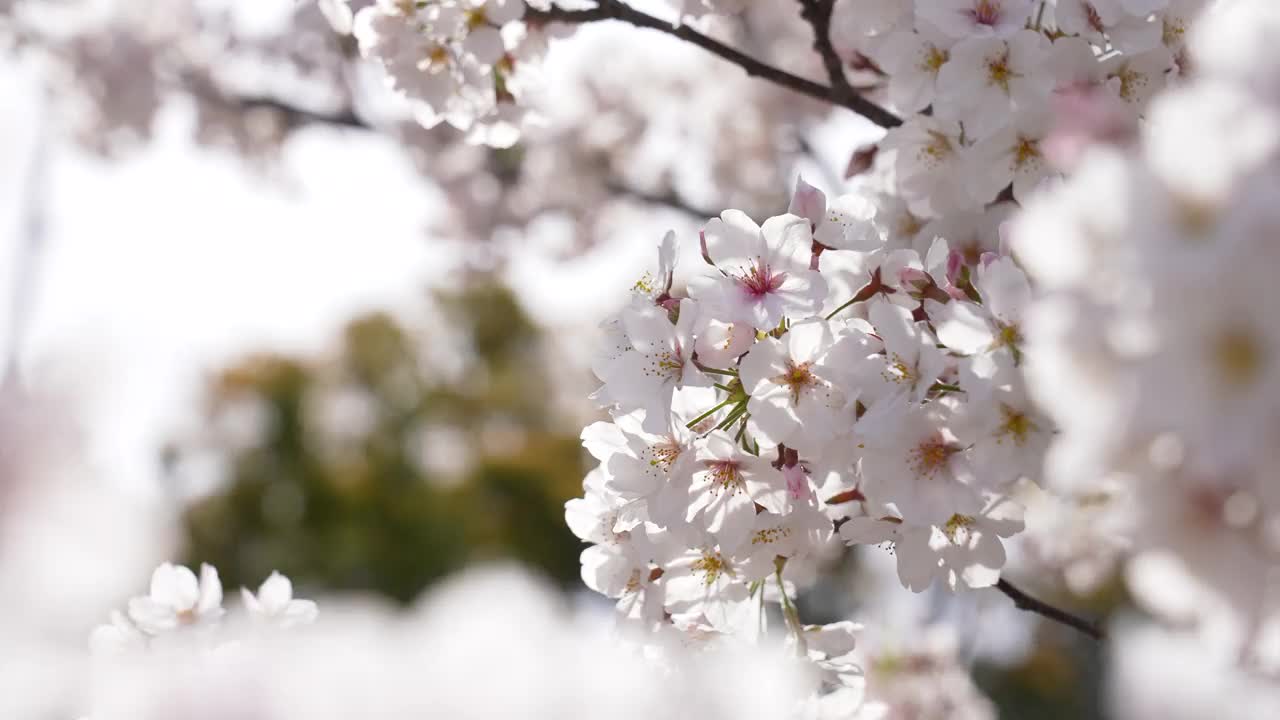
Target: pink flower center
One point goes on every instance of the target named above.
(797, 378)
(761, 280)
(724, 475)
(986, 12)
(929, 457)
(797, 482)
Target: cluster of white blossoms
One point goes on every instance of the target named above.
(886, 368)
(982, 84)
(1156, 346)
(768, 409)
(760, 412)
(977, 81)
(179, 604)
(175, 652)
(465, 62)
(176, 655)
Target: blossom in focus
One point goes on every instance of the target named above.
(797, 386)
(976, 18)
(763, 271)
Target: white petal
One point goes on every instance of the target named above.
(808, 201)
(501, 12)
(184, 589)
(789, 240)
(339, 15)
(151, 616)
(251, 603)
(807, 341)
(964, 328)
(763, 362)
(164, 583)
(732, 520)
(732, 240)
(299, 612)
(275, 593)
(210, 589)
(917, 564)
(867, 531)
(485, 43)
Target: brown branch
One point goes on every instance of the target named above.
(818, 14)
(295, 116)
(1023, 601)
(844, 97)
(667, 199)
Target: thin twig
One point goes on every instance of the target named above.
(668, 199)
(868, 291)
(616, 10)
(296, 116)
(1023, 601)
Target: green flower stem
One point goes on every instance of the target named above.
(708, 413)
(789, 610)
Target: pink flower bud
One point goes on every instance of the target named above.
(913, 276)
(955, 264)
(808, 202)
(798, 486)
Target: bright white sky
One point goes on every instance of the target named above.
(165, 265)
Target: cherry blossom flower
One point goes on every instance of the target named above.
(704, 582)
(797, 386)
(848, 223)
(274, 603)
(1135, 79)
(1007, 432)
(457, 61)
(630, 571)
(925, 669)
(985, 78)
(913, 60)
(655, 468)
(998, 323)
(1104, 22)
(970, 18)
(916, 566)
(932, 165)
(177, 599)
(117, 637)
(1017, 154)
(658, 364)
(598, 516)
(720, 343)
(911, 362)
(726, 488)
(764, 270)
(803, 531)
(913, 460)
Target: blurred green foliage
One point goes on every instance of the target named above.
(366, 508)
(336, 485)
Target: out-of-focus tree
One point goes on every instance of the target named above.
(381, 468)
